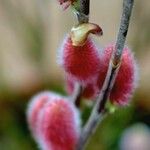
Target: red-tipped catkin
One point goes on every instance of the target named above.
(58, 125)
(80, 57)
(90, 90)
(34, 107)
(126, 79)
(81, 63)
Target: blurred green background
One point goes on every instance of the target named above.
(30, 35)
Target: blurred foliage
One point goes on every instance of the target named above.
(31, 32)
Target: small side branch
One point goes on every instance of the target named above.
(84, 11)
(99, 112)
(85, 7)
(83, 17)
(76, 98)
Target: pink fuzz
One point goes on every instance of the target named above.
(35, 105)
(90, 90)
(55, 121)
(81, 63)
(126, 79)
(58, 125)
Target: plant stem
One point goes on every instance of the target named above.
(85, 7)
(99, 112)
(83, 17)
(83, 14)
(76, 98)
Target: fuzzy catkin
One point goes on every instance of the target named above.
(81, 63)
(54, 121)
(126, 80)
(125, 83)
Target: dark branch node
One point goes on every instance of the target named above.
(85, 7)
(125, 33)
(106, 92)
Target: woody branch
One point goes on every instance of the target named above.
(99, 112)
(83, 17)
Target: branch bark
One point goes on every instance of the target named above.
(76, 97)
(99, 112)
(83, 14)
(83, 17)
(85, 7)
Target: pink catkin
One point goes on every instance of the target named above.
(125, 83)
(35, 105)
(89, 91)
(126, 79)
(81, 63)
(58, 125)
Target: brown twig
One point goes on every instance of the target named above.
(83, 13)
(85, 7)
(98, 112)
(83, 17)
(76, 97)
